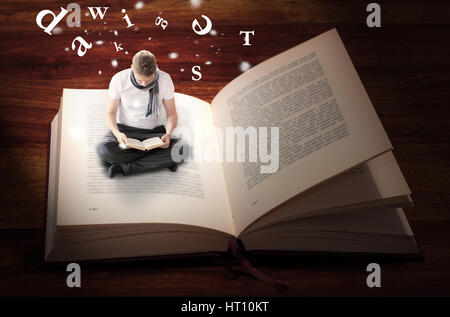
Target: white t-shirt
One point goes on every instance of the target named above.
(133, 101)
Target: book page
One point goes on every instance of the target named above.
(326, 122)
(152, 142)
(88, 196)
(135, 143)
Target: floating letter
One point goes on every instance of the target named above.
(161, 21)
(55, 21)
(118, 48)
(99, 12)
(196, 72)
(247, 37)
(129, 24)
(83, 44)
(202, 31)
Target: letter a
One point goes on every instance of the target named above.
(374, 278)
(74, 278)
(373, 19)
(74, 18)
(55, 21)
(83, 43)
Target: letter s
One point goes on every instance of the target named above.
(195, 70)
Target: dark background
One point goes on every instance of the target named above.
(404, 65)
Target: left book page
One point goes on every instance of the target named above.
(145, 145)
(86, 195)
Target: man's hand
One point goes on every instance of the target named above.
(166, 139)
(121, 138)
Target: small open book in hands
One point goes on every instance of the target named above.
(145, 145)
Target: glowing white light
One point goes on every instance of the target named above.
(196, 3)
(182, 70)
(116, 33)
(66, 49)
(57, 30)
(244, 66)
(208, 63)
(86, 14)
(173, 55)
(99, 42)
(196, 55)
(213, 32)
(126, 52)
(114, 63)
(99, 72)
(139, 5)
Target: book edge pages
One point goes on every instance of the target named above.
(322, 240)
(52, 179)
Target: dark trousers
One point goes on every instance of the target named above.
(132, 160)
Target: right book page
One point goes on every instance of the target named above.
(327, 124)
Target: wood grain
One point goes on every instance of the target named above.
(404, 66)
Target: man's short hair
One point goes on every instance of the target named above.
(144, 63)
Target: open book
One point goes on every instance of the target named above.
(335, 187)
(145, 145)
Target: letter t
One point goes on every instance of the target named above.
(247, 37)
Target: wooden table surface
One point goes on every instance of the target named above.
(404, 65)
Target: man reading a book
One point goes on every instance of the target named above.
(133, 110)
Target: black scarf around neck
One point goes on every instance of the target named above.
(153, 89)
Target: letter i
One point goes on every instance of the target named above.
(127, 19)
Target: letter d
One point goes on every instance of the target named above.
(55, 21)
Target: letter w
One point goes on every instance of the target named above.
(99, 12)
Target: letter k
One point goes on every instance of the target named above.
(118, 48)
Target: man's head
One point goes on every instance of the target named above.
(144, 67)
